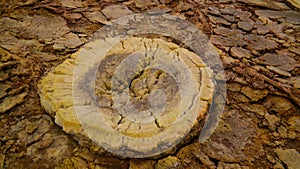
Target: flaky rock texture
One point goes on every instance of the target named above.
(150, 69)
(258, 42)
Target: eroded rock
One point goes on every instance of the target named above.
(69, 40)
(46, 28)
(116, 11)
(290, 157)
(96, 16)
(127, 123)
(169, 162)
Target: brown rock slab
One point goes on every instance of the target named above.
(71, 16)
(232, 137)
(273, 59)
(294, 123)
(262, 29)
(279, 71)
(46, 28)
(214, 11)
(278, 104)
(295, 82)
(254, 94)
(255, 108)
(50, 147)
(237, 40)
(229, 18)
(246, 26)
(239, 52)
(30, 132)
(10, 102)
(69, 40)
(116, 11)
(266, 3)
(272, 121)
(227, 32)
(96, 16)
(260, 43)
(218, 20)
(72, 3)
(290, 157)
(144, 3)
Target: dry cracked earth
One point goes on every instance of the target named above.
(258, 43)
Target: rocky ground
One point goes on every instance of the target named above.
(259, 45)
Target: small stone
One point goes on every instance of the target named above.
(295, 81)
(262, 29)
(116, 11)
(96, 16)
(255, 108)
(3, 76)
(235, 87)
(30, 132)
(294, 123)
(282, 132)
(72, 3)
(236, 40)
(257, 43)
(292, 17)
(228, 11)
(279, 71)
(266, 3)
(238, 97)
(280, 105)
(272, 120)
(290, 157)
(227, 32)
(168, 163)
(292, 135)
(11, 101)
(71, 16)
(79, 163)
(270, 14)
(278, 166)
(246, 26)
(217, 20)
(254, 94)
(46, 28)
(229, 18)
(242, 14)
(239, 52)
(69, 40)
(214, 11)
(87, 155)
(143, 4)
(272, 59)
(271, 159)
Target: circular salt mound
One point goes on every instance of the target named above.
(135, 97)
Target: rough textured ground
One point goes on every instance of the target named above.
(258, 43)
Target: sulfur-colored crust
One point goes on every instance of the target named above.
(294, 4)
(82, 94)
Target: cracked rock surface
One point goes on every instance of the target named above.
(258, 43)
(146, 102)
